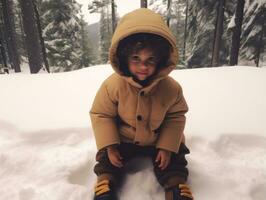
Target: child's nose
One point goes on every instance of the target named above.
(143, 65)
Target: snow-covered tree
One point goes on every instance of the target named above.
(61, 31)
(236, 33)
(185, 31)
(19, 30)
(86, 58)
(159, 6)
(201, 29)
(3, 61)
(105, 34)
(107, 11)
(174, 15)
(9, 33)
(177, 24)
(39, 27)
(114, 15)
(253, 42)
(201, 26)
(218, 34)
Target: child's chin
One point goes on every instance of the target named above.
(142, 78)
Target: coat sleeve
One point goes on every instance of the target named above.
(171, 130)
(103, 116)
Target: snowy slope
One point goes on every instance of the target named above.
(47, 148)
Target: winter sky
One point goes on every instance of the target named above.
(123, 6)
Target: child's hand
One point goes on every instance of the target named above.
(114, 156)
(163, 158)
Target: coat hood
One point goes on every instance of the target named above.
(143, 20)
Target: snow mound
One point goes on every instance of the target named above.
(47, 149)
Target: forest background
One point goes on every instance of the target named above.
(53, 35)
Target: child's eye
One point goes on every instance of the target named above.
(151, 61)
(135, 59)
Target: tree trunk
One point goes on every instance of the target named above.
(113, 16)
(40, 36)
(24, 51)
(3, 56)
(237, 32)
(168, 12)
(260, 47)
(107, 18)
(9, 32)
(185, 32)
(218, 34)
(31, 39)
(144, 3)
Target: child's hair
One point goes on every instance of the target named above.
(136, 42)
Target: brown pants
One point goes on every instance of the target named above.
(176, 168)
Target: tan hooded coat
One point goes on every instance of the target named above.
(125, 111)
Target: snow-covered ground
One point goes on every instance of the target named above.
(47, 147)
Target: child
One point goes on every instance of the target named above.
(139, 110)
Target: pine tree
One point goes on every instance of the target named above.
(253, 36)
(9, 33)
(107, 23)
(105, 34)
(178, 26)
(3, 61)
(237, 32)
(61, 33)
(19, 30)
(160, 6)
(218, 34)
(114, 18)
(185, 31)
(86, 58)
(173, 13)
(226, 41)
(201, 26)
(39, 27)
(168, 16)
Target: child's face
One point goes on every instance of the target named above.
(142, 64)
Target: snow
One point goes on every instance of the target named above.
(232, 23)
(254, 31)
(72, 22)
(53, 43)
(47, 28)
(47, 148)
(63, 26)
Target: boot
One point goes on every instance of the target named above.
(104, 190)
(180, 192)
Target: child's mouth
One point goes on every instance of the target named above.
(142, 73)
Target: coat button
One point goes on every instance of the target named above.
(142, 93)
(139, 117)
